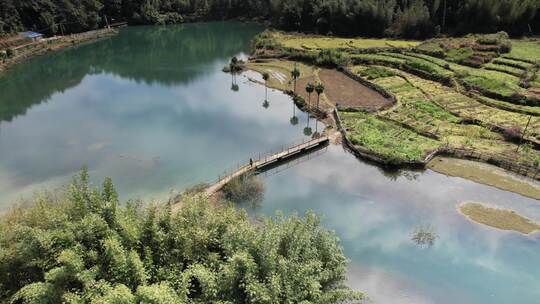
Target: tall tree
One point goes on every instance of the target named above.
(295, 73)
(319, 88)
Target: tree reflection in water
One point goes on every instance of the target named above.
(424, 235)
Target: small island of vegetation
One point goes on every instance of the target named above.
(498, 218)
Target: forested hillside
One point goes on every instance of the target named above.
(405, 18)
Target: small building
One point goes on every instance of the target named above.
(31, 35)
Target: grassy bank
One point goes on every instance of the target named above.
(14, 55)
(477, 93)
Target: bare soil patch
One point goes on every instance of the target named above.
(339, 88)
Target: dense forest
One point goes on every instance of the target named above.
(403, 18)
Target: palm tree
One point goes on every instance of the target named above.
(265, 76)
(295, 74)
(309, 89)
(319, 88)
(234, 68)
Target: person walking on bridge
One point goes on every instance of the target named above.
(251, 162)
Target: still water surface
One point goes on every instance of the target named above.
(152, 109)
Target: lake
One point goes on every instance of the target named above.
(152, 109)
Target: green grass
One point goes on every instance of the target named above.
(528, 50)
(372, 73)
(421, 64)
(511, 62)
(422, 111)
(489, 84)
(428, 109)
(396, 84)
(387, 139)
(379, 58)
(527, 110)
(505, 69)
(438, 61)
(431, 92)
(310, 42)
(459, 55)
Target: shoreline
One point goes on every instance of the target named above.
(460, 153)
(333, 121)
(39, 48)
(485, 174)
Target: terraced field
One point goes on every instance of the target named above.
(308, 42)
(478, 93)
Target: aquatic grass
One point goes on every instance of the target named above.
(498, 218)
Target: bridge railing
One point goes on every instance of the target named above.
(264, 156)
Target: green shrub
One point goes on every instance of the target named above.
(264, 41)
(372, 73)
(421, 66)
(10, 53)
(197, 188)
(83, 246)
(246, 188)
(489, 84)
(331, 58)
(459, 54)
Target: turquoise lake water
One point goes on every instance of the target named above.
(152, 109)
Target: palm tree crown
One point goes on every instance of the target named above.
(295, 73)
(310, 88)
(319, 88)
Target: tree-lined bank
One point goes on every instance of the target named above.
(406, 18)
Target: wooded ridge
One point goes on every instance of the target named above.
(403, 18)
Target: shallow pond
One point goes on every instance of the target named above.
(152, 109)
(375, 214)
